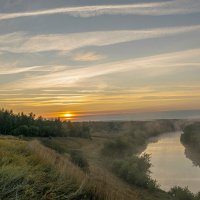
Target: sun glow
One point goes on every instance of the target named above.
(68, 116)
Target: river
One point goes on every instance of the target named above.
(170, 167)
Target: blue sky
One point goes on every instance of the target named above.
(99, 59)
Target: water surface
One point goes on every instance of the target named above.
(170, 165)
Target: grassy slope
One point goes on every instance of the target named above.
(24, 173)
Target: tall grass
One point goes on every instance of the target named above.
(95, 185)
(24, 175)
(28, 170)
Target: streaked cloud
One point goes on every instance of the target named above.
(138, 99)
(24, 43)
(150, 66)
(156, 8)
(87, 56)
(14, 69)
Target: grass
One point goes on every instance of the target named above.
(97, 184)
(25, 173)
(30, 170)
(78, 159)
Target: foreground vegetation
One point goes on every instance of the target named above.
(136, 171)
(24, 173)
(30, 170)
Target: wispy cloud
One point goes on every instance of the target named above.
(16, 70)
(87, 56)
(156, 8)
(137, 98)
(150, 66)
(24, 43)
(6, 69)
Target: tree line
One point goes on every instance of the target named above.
(30, 126)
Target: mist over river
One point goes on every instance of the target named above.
(170, 165)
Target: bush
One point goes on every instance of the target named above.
(78, 159)
(181, 193)
(197, 197)
(135, 171)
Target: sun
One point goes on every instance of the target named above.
(68, 115)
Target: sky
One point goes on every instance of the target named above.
(101, 60)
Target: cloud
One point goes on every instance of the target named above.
(87, 56)
(156, 8)
(6, 69)
(149, 66)
(89, 96)
(24, 43)
(15, 70)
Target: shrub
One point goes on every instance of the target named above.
(135, 171)
(181, 193)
